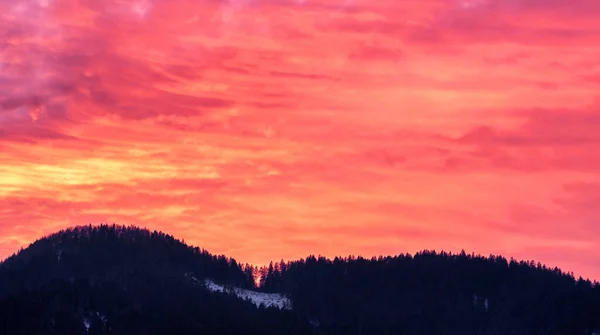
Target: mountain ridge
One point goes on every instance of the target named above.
(263, 268)
(131, 280)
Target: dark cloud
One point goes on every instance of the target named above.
(86, 65)
(557, 128)
(548, 139)
(32, 134)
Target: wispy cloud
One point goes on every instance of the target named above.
(271, 129)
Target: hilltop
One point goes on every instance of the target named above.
(111, 279)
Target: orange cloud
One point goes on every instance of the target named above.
(273, 129)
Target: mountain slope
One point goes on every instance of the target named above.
(258, 298)
(436, 293)
(127, 280)
(116, 252)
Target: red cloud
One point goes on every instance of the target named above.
(275, 129)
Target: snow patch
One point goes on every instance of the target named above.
(102, 318)
(58, 254)
(258, 298)
(486, 303)
(87, 323)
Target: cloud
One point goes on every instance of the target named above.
(256, 128)
(548, 139)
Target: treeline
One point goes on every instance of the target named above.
(167, 306)
(436, 293)
(126, 280)
(116, 253)
(113, 279)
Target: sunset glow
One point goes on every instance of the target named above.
(275, 129)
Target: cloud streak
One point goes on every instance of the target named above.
(273, 129)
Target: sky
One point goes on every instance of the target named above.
(275, 129)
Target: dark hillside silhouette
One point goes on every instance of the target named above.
(116, 253)
(127, 280)
(112, 279)
(436, 293)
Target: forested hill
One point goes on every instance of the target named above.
(126, 280)
(437, 293)
(117, 253)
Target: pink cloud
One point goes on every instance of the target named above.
(274, 129)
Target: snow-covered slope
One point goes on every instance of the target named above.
(258, 298)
